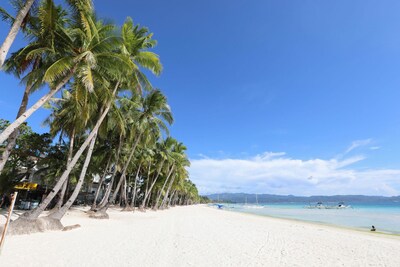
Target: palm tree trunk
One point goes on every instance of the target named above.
(114, 196)
(34, 214)
(65, 184)
(134, 188)
(166, 194)
(124, 198)
(171, 199)
(131, 155)
(126, 167)
(104, 201)
(5, 47)
(13, 126)
(152, 185)
(162, 189)
(60, 213)
(94, 204)
(149, 199)
(12, 139)
(147, 185)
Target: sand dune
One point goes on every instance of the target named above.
(199, 236)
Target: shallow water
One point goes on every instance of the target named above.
(385, 217)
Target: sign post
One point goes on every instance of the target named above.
(10, 210)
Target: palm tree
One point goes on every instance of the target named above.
(181, 162)
(70, 116)
(16, 25)
(137, 56)
(136, 42)
(162, 155)
(171, 166)
(87, 47)
(40, 28)
(153, 112)
(111, 135)
(122, 133)
(97, 63)
(104, 106)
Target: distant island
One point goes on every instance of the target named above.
(269, 198)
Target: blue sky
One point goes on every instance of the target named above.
(283, 90)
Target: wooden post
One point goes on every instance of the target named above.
(10, 210)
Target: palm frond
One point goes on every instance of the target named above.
(58, 69)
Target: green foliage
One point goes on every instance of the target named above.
(105, 66)
(30, 148)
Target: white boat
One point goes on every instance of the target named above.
(252, 206)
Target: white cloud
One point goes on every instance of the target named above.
(275, 173)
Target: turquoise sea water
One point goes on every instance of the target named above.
(385, 217)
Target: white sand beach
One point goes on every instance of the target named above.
(198, 236)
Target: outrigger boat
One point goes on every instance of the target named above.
(320, 205)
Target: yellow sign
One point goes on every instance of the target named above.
(26, 186)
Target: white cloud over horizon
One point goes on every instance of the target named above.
(276, 173)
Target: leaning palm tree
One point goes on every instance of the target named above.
(151, 117)
(136, 42)
(42, 28)
(111, 135)
(23, 10)
(162, 152)
(170, 166)
(85, 48)
(97, 59)
(135, 54)
(179, 171)
(70, 117)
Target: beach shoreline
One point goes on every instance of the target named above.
(199, 236)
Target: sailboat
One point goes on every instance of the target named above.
(252, 206)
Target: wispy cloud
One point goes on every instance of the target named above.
(202, 156)
(358, 143)
(375, 147)
(276, 173)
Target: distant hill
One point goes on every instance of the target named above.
(267, 198)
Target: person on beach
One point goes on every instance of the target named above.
(373, 229)
(5, 201)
